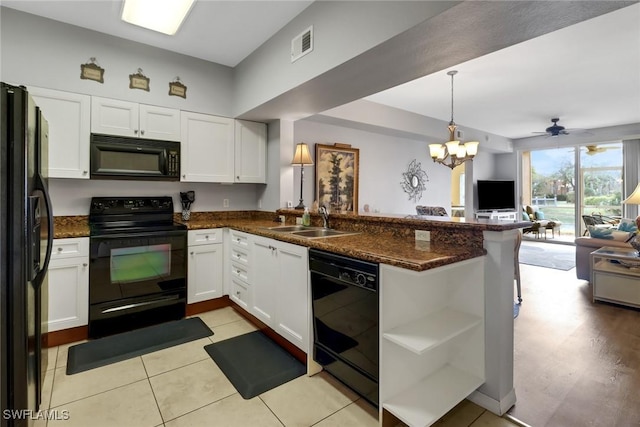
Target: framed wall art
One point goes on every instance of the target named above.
(337, 177)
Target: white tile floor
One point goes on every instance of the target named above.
(182, 386)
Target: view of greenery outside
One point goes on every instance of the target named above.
(553, 180)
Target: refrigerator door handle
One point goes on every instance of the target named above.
(40, 185)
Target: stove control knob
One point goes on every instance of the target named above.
(97, 206)
(361, 279)
(155, 203)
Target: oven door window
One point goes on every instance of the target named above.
(140, 263)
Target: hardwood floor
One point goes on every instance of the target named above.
(576, 363)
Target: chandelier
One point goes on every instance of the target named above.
(453, 153)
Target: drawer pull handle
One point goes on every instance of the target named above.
(238, 293)
(59, 249)
(84, 264)
(192, 253)
(206, 237)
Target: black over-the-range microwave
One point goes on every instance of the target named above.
(117, 157)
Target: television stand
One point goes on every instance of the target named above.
(500, 215)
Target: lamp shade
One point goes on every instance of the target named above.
(634, 198)
(302, 155)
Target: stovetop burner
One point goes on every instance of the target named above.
(108, 215)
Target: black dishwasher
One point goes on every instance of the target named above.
(345, 320)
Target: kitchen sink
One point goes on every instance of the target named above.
(321, 232)
(288, 228)
(309, 232)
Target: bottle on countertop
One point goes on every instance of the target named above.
(306, 218)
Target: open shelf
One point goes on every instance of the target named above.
(426, 402)
(430, 331)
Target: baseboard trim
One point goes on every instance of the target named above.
(209, 305)
(498, 407)
(282, 342)
(66, 336)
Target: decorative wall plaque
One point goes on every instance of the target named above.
(176, 88)
(92, 71)
(139, 81)
(414, 180)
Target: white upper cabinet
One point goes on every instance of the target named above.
(68, 115)
(250, 152)
(115, 117)
(207, 149)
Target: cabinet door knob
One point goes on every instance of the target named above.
(135, 132)
(142, 132)
(238, 177)
(59, 249)
(206, 237)
(238, 293)
(191, 253)
(184, 176)
(84, 264)
(84, 172)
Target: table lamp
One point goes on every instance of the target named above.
(634, 199)
(301, 157)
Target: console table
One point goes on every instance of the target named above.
(501, 215)
(615, 276)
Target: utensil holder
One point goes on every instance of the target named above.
(186, 214)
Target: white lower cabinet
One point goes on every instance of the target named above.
(68, 277)
(205, 266)
(279, 288)
(432, 352)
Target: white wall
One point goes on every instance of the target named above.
(342, 30)
(383, 159)
(73, 196)
(45, 53)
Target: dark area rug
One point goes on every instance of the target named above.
(117, 348)
(549, 255)
(254, 363)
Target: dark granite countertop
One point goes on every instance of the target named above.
(385, 239)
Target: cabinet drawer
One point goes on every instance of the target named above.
(240, 256)
(622, 289)
(204, 237)
(240, 294)
(240, 272)
(240, 240)
(70, 248)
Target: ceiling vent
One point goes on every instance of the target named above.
(302, 44)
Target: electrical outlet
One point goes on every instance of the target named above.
(299, 220)
(423, 235)
(282, 219)
(289, 204)
(225, 203)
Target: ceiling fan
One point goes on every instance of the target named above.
(557, 130)
(594, 149)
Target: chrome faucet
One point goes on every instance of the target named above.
(325, 216)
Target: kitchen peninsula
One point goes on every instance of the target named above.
(472, 251)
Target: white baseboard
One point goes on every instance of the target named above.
(498, 407)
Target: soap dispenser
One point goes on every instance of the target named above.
(306, 218)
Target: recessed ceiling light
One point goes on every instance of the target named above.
(164, 16)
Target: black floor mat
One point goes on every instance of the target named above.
(254, 363)
(117, 348)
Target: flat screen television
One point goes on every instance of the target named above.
(495, 195)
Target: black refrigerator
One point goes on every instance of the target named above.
(26, 237)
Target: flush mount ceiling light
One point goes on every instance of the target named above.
(164, 16)
(452, 153)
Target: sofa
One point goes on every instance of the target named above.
(584, 247)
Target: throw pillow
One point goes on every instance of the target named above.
(627, 224)
(539, 215)
(600, 233)
(525, 216)
(608, 233)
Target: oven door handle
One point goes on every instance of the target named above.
(139, 304)
(143, 234)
